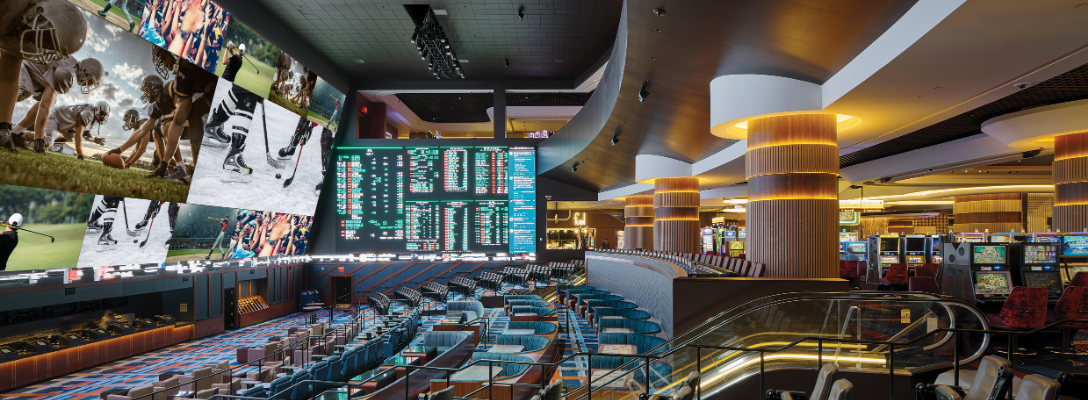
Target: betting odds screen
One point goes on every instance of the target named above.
(451, 202)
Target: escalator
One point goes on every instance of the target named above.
(786, 337)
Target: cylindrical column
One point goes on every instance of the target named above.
(638, 217)
(792, 169)
(1071, 182)
(997, 212)
(676, 214)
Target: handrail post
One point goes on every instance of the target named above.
(490, 380)
(891, 371)
(407, 376)
(699, 370)
(762, 389)
(647, 378)
(819, 353)
(956, 359)
(589, 376)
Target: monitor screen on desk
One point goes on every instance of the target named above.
(1051, 280)
(999, 282)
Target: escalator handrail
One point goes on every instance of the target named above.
(887, 297)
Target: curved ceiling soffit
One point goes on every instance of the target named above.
(565, 147)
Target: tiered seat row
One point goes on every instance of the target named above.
(704, 263)
(379, 302)
(407, 296)
(515, 275)
(463, 285)
(435, 290)
(490, 280)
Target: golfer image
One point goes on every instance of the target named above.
(9, 239)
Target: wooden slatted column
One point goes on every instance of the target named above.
(638, 216)
(676, 214)
(792, 169)
(998, 212)
(1071, 182)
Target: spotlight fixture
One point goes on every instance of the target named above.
(521, 13)
(643, 93)
(659, 12)
(507, 63)
(574, 168)
(615, 138)
(432, 44)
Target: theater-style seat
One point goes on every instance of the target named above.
(824, 379)
(1079, 279)
(993, 374)
(848, 269)
(1038, 387)
(538, 327)
(896, 275)
(472, 309)
(924, 279)
(530, 343)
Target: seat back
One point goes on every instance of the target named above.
(897, 274)
(140, 391)
(1025, 308)
(1079, 279)
(840, 390)
(206, 394)
(824, 379)
(992, 373)
(202, 384)
(444, 394)
(1073, 305)
(848, 269)
(1038, 387)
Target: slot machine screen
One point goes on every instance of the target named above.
(999, 238)
(1075, 246)
(857, 247)
(916, 244)
(1051, 280)
(1047, 239)
(1039, 254)
(889, 245)
(989, 254)
(993, 282)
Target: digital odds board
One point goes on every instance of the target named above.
(449, 201)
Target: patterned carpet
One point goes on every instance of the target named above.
(144, 369)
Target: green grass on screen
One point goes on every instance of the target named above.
(36, 252)
(247, 77)
(65, 172)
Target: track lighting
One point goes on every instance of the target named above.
(659, 12)
(414, 35)
(431, 43)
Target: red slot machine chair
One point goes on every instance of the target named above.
(1024, 310)
(1072, 305)
(1079, 279)
(895, 277)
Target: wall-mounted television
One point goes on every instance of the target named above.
(986, 254)
(1075, 246)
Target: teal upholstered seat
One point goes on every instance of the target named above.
(530, 303)
(638, 326)
(644, 343)
(659, 370)
(595, 303)
(583, 297)
(531, 343)
(539, 327)
(472, 309)
(510, 297)
(444, 340)
(508, 370)
(539, 311)
(618, 312)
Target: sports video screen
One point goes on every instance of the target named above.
(993, 282)
(1052, 281)
(1040, 254)
(436, 199)
(1076, 246)
(989, 254)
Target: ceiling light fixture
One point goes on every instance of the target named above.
(433, 46)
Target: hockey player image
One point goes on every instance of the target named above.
(253, 159)
(39, 31)
(219, 240)
(143, 242)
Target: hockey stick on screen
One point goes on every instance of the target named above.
(124, 209)
(149, 229)
(292, 178)
(267, 151)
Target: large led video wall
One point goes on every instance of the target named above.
(154, 108)
(442, 200)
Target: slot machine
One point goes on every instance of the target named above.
(1038, 268)
(883, 252)
(1074, 254)
(855, 251)
(935, 249)
(915, 249)
(991, 278)
(1046, 237)
(971, 237)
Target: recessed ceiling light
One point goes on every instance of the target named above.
(360, 61)
(1081, 5)
(440, 12)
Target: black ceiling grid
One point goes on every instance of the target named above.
(1070, 86)
(472, 107)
